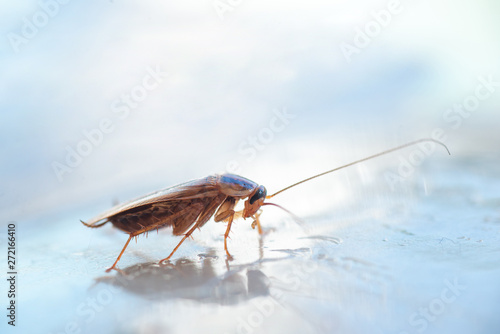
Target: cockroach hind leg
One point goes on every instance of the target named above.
(117, 269)
(119, 256)
(164, 262)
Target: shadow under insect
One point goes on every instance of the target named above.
(194, 280)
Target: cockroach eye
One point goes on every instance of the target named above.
(260, 193)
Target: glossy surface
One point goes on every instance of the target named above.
(350, 269)
(155, 93)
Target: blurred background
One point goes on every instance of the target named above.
(105, 101)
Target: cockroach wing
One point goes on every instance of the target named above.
(178, 206)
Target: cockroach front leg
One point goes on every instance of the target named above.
(256, 222)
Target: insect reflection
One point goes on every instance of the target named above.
(190, 205)
(189, 279)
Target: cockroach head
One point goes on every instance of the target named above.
(254, 201)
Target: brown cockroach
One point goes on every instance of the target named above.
(190, 205)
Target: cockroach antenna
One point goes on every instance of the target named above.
(363, 160)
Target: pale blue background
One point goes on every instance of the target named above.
(226, 78)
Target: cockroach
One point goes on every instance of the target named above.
(190, 205)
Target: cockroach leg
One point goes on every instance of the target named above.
(180, 243)
(121, 253)
(256, 222)
(238, 215)
(226, 235)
